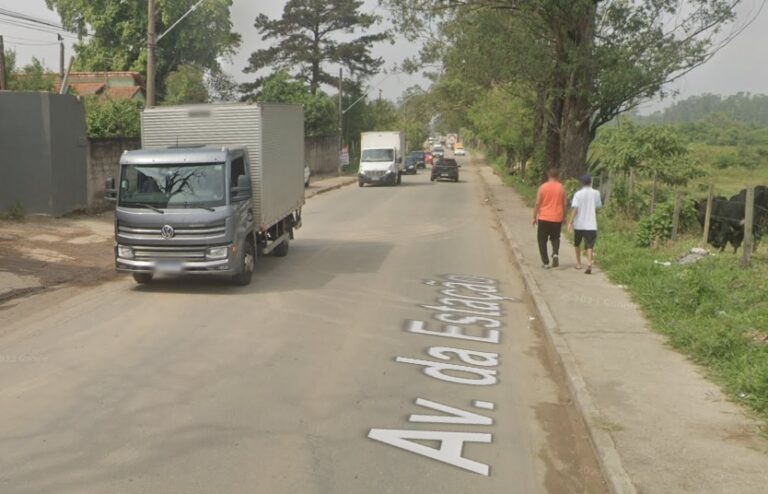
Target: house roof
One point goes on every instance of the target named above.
(123, 92)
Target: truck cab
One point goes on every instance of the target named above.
(184, 211)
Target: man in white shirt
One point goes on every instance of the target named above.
(585, 204)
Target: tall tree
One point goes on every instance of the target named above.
(320, 113)
(608, 55)
(113, 34)
(186, 85)
(310, 35)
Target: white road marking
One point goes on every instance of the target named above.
(451, 445)
(457, 415)
(486, 405)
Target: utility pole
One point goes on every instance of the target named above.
(151, 46)
(341, 115)
(61, 56)
(3, 86)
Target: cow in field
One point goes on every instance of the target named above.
(727, 222)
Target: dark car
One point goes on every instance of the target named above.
(412, 163)
(445, 168)
(421, 158)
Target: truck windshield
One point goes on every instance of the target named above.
(370, 155)
(173, 186)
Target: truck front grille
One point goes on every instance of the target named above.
(186, 232)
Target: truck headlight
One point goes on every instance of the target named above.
(125, 252)
(217, 252)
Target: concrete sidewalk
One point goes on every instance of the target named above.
(327, 184)
(658, 426)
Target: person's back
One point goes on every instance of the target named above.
(552, 205)
(586, 201)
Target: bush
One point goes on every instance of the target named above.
(657, 226)
(113, 118)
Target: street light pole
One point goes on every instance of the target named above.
(341, 122)
(151, 45)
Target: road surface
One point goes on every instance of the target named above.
(392, 351)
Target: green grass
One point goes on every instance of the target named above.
(715, 311)
(728, 180)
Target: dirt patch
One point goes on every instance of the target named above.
(76, 249)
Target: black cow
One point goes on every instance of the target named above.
(727, 222)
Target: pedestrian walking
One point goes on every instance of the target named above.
(549, 214)
(583, 222)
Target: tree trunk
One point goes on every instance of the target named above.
(576, 129)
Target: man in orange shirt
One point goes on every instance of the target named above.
(549, 214)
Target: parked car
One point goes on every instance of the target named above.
(428, 158)
(458, 150)
(445, 168)
(438, 152)
(306, 176)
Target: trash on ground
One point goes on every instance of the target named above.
(695, 255)
(666, 264)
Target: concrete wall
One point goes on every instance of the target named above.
(42, 152)
(321, 153)
(103, 162)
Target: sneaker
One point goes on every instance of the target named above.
(589, 270)
(555, 261)
(545, 266)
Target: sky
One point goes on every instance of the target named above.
(740, 66)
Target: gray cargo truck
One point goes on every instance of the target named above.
(213, 188)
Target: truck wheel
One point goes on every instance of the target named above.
(142, 278)
(247, 264)
(399, 178)
(282, 249)
(360, 183)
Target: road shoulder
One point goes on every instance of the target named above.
(656, 423)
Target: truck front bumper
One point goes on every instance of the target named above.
(221, 267)
(386, 178)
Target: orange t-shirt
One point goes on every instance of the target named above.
(552, 207)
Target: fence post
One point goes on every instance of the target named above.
(708, 215)
(676, 214)
(746, 259)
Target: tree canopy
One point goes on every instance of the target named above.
(113, 34)
(585, 61)
(319, 109)
(185, 85)
(310, 35)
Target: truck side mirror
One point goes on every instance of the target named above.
(243, 189)
(110, 191)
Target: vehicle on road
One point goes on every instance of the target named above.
(427, 158)
(307, 173)
(438, 151)
(213, 187)
(381, 158)
(417, 158)
(445, 168)
(458, 149)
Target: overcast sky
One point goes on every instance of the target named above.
(741, 66)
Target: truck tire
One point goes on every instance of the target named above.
(142, 278)
(282, 249)
(247, 264)
(399, 178)
(360, 183)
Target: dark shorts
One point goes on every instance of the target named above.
(589, 237)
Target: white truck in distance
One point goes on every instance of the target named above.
(381, 158)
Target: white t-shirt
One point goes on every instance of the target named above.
(586, 202)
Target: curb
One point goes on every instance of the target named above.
(602, 443)
(332, 187)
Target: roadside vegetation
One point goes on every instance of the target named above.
(552, 89)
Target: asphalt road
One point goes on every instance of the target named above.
(392, 351)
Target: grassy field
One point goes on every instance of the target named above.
(729, 180)
(715, 312)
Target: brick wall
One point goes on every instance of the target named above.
(103, 160)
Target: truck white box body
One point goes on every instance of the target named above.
(273, 135)
(381, 156)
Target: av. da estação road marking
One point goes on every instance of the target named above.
(470, 310)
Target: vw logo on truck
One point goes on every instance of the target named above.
(167, 232)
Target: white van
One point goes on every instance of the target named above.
(381, 158)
